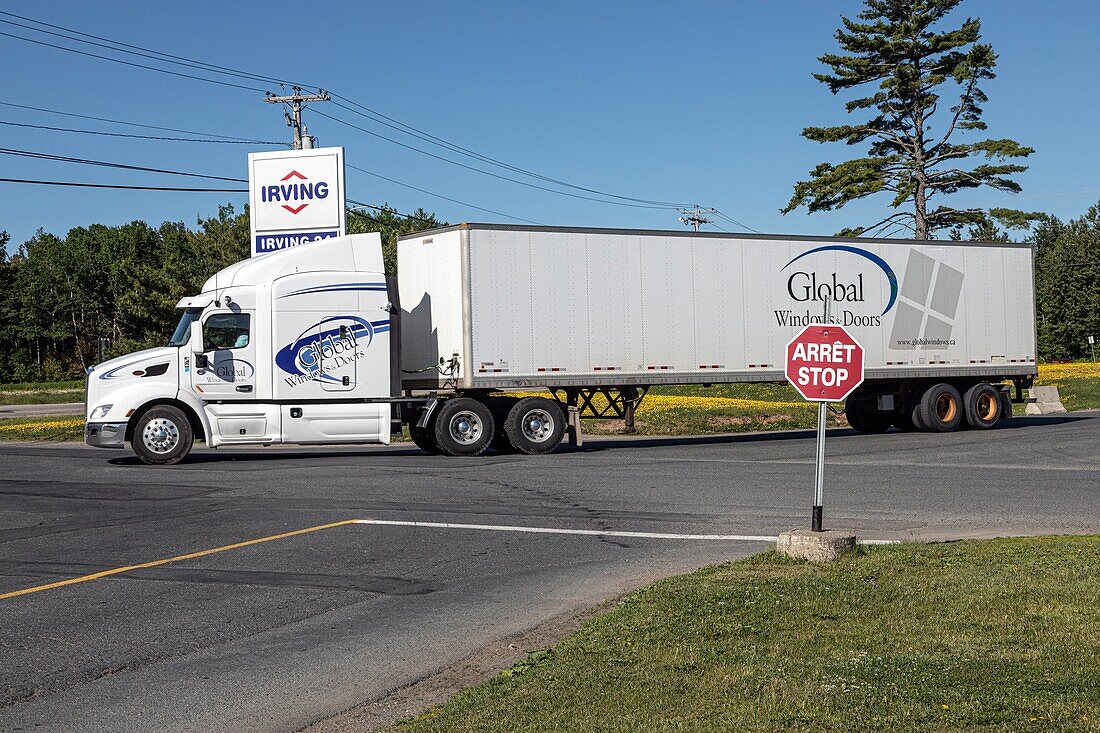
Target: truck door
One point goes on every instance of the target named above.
(230, 356)
(338, 341)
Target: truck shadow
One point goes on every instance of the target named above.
(603, 442)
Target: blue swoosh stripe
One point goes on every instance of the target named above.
(337, 287)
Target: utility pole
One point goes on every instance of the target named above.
(694, 217)
(296, 103)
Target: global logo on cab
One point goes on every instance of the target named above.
(299, 192)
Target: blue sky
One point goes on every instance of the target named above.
(696, 102)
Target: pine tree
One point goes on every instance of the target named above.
(900, 61)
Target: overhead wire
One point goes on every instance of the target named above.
(438, 195)
(108, 164)
(132, 63)
(481, 170)
(129, 188)
(125, 122)
(345, 103)
(142, 50)
(143, 137)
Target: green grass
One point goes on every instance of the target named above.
(41, 393)
(1079, 393)
(996, 635)
(43, 428)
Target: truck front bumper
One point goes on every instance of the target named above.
(105, 434)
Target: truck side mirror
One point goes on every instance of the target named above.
(197, 346)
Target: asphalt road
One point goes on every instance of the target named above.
(276, 635)
(48, 410)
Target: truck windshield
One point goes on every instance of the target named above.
(183, 331)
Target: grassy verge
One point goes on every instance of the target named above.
(42, 428)
(998, 635)
(41, 393)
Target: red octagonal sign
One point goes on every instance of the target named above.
(824, 363)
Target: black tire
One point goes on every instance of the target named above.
(463, 427)
(983, 406)
(903, 421)
(424, 438)
(162, 436)
(500, 407)
(863, 415)
(915, 416)
(941, 408)
(535, 425)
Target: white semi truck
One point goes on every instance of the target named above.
(313, 345)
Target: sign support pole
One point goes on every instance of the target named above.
(819, 476)
(819, 472)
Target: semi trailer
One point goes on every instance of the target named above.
(315, 345)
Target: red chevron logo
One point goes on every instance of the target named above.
(293, 174)
(294, 209)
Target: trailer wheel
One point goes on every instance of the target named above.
(162, 436)
(463, 427)
(983, 406)
(500, 406)
(535, 425)
(941, 408)
(863, 417)
(916, 414)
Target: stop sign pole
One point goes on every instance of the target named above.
(825, 364)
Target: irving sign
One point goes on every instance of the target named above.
(295, 197)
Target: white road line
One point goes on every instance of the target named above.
(586, 532)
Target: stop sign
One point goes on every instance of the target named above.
(824, 363)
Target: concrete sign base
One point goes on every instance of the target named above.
(1047, 401)
(819, 547)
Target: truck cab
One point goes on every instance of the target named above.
(289, 347)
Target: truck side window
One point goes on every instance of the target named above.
(226, 331)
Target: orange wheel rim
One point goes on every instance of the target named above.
(987, 407)
(946, 408)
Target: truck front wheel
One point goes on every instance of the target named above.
(463, 427)
(162, 436)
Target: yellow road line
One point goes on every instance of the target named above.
(167, 561)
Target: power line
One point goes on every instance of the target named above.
(439, 195)
(157, 55)
(731, 220)
(142, 137)
(367, 112)
(387, 209)
(128, 188)
(481, 170)
(107, 164)
(132, 63)
(428, 137)
(131, 124)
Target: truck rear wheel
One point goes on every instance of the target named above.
(535, 425)
(500, 406)
(983, 406)
(424, 438)
(463, 427)
(941, 408)
(162, 436)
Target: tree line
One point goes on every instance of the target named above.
(59, 296)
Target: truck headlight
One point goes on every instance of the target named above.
(100, 411)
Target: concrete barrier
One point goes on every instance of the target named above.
(1045, 401)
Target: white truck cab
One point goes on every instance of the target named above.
(290, 347)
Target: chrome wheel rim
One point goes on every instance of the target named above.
(466, 427)
(537, 425)
(160, 435)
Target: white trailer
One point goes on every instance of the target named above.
(295, 347)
